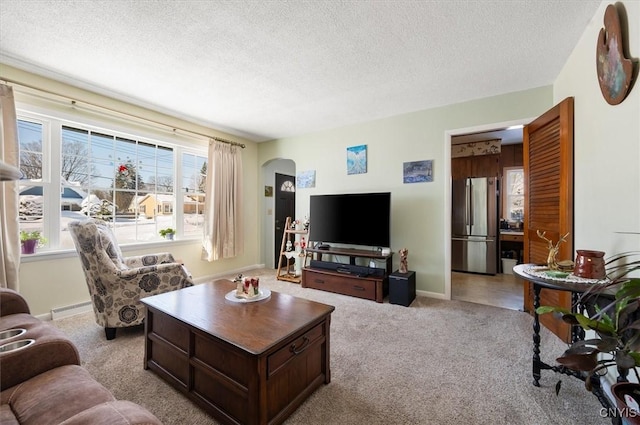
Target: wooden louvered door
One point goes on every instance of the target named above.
(548, 170)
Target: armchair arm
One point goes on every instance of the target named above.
(149, 260)
(158, 268)
(11, 302)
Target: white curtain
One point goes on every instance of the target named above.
(9, 233)
(223, 235)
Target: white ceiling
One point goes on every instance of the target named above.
(272, 69)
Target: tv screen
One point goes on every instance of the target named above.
(354, 219)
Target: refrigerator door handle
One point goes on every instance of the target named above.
(470, 201)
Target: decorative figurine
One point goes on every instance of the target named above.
(552, 263)
(248, 288)
(403, 260)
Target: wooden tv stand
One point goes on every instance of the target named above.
(373, 288)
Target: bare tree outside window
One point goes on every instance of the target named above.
(31, 160)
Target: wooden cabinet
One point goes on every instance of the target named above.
(507, 237)
(511, 156)
(370, 287)
(475, 166)
(360, 287)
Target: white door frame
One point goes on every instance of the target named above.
(447, 187)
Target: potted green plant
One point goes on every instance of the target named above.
(615, 321)
(30, 240)
(167, 233)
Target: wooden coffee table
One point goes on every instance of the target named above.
(244, 363)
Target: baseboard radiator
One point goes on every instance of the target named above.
(70, 310)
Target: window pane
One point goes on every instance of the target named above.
(30, 208)
(164, 180)
(188, 172)
(101, 146)
(514, 194)
(194, 172)
(103, 173)
(201, 165)
(76, 166)
(30, 142)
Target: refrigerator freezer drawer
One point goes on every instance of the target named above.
(474, 255)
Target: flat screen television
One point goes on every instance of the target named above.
(353, 219)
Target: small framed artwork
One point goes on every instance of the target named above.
(417, 171)
(357, 159)
(306, 179)
(268, 191)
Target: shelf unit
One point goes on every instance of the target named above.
(373, 288)
(291, 235)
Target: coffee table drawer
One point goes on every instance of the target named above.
(296, 348)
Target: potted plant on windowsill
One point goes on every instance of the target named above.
(30, 240)
(167, 233)
(615, 320)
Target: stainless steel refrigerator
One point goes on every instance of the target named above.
(474, 232)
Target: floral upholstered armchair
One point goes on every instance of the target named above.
(116, 283)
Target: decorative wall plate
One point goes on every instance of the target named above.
(614, 70)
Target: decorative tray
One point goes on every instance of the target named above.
(545, 273)
(263, 295)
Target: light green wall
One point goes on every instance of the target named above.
(606, 147)
(420, 212)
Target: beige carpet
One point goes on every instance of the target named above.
(435, 362)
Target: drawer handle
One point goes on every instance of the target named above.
(319, 281)
(359, 288)
(305, 344)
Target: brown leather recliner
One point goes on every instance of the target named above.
(41, 380)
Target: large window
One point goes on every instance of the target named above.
(73, 171)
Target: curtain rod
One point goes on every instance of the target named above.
(74, 102)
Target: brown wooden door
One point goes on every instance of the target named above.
(548, 170)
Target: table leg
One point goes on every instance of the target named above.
(577, 332)
(536, 336)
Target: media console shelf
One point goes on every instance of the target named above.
(362, 285)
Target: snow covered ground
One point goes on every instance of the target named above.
(127, 230)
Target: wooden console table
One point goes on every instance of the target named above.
(373, 288)
(577, 333)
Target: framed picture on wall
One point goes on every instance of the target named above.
(417, 171)
(306, 179)
(357, 159)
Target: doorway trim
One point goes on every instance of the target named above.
(448, 134)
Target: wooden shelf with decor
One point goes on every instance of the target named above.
(291, 238)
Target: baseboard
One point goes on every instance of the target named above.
(70, 310)
(226, 273)
(429, 294)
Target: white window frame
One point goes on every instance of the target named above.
(52, 115)
(507, 195)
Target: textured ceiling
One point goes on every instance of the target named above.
(272, 69)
